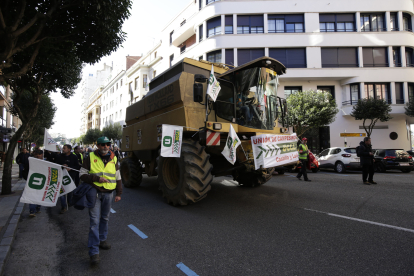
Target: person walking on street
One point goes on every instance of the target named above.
(101, 170)
(21, 159)
(68, 159)
(367, 161)
(303, 158)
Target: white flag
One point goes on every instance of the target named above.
(213, 87)
(232, 143)
(68, 185)
(49, 143)
(172, 137)
(43, 183)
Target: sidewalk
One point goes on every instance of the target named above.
(10, 211)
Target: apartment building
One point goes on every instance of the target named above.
(352, 49)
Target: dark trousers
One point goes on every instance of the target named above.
(303, 169)
(368, 169)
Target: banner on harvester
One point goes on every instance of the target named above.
(172, 137)
(274, 150)
(43, 183)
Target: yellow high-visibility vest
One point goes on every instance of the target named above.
(80, 155)
(304, 154)
(108, 172)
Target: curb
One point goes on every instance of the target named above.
(8, 237)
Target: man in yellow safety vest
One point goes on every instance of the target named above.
(303, 158)
(100, 169)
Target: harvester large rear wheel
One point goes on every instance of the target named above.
(131, 172)
(186, 179)
(254, 179)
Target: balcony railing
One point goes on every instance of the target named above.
(399, 101)
(351, 102)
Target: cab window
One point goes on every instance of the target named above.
(324, 152)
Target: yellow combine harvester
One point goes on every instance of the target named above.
(247, 100)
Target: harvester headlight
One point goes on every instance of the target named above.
(216, 126)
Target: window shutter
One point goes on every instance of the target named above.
(294, 18)
(256, 53)
(347, 57)
(214, 22)
(256, 21)
(243, 20)
(345, 17)
(329, 57)
(368, 58)
(229, 20)
(229, 57)
(243, 56)
(276, 16)
(296, 58)
(326, 17)
(380, 56)
(279, 55)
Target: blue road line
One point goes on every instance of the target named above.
(137, 231)
(186, 270)
(113, 211)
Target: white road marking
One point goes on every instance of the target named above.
(363, 220)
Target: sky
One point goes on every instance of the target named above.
(143, 30)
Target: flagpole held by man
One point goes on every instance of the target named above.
(100, 169)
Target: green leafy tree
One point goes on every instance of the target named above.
(93, 28)
(370, 111)
(92, 135)
(113, 131)
(409, 109)
(310, 109)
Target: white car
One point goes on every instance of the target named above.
(339, 158)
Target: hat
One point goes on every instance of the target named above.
(304, 139)
(103, 139)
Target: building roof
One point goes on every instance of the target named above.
(130, 60)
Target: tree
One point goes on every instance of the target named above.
(92, 135)
(93, 27)
(370, 111)
(113, 131)
(310, 109)
(409, 109)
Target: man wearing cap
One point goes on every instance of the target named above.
(100, 169)
(303, 158)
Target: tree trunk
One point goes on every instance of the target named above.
(6, 188)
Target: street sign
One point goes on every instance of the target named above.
(352, 134)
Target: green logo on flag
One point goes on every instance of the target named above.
(167, 141)
(37, 181)
(66, 180)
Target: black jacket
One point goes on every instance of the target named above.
(363, 152)
(72, 161)
(22, 158)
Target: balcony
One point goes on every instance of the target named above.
(184, 31)
(396, 109)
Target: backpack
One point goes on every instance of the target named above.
(357, 151)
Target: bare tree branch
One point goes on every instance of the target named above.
(19, 18)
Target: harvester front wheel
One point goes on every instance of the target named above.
(131, 172)
(185, 179)
(253, 179)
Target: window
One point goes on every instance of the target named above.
(339, 57)
(200, 4)
(136, 83)
(411, 92)
(378, 91)
(399, 93)
(291, 23)
(289, 90)
(171, 37)
(327, 89)
(229, 24)
(375, 57)
(246, 55)
(171, 59)
(250, 24)
(372, 23)
(182, 23)
(214, 26)
(130, 88)
(145, 79)
(394, 21)
(120, 98)
(182, 49)
(409, 57)
(121, 82)
(343, 22)
(112, 90)
(214, 56)
(407, 22)
(200, 33)
(348, 150)
(117, 86)
(154, 74)
(229, 57)
(155, 55)
(116, 115)
(396, 56)
(210, 1)
(120, 113)
(290, 57)
(355, 95)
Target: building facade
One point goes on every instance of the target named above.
(352, 49)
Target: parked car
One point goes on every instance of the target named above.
(314, 165)
(393, 159)
(410, 152)
(339, 158)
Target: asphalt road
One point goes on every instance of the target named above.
(333, 225)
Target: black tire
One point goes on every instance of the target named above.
(253, 179)
(131, 172)
(406, 171)
(340, 167)
(281, 172)
(186, 179)
(315, 170)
